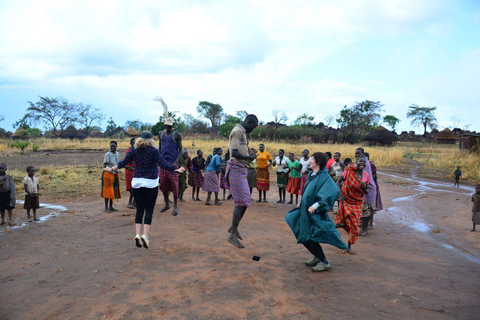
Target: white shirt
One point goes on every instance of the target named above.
(282, 165)
(144, 183)
(305, 164)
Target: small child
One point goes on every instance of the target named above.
(457, 174)
(7, 195)
(347, 161)
(476, 207)
(31, 186)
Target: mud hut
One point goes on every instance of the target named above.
(446, 136)
(20, 134)
(380, 136)
(132, 133)
(469, 142)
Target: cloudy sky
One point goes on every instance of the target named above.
(294, 56)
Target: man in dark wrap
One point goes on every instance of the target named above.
(236, 174)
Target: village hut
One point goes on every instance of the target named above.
(69, 133)
(469, 142)
(380, 136)
(446, 136)
(20, 134)
(131, 132)
(96, 134)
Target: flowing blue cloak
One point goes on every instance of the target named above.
(317, 227)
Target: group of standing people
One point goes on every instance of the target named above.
(319, 179)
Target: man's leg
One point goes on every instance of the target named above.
(167, 205)
(209, 195)
(3, 217)
(217, 201)
(175, 206)
(238, 214)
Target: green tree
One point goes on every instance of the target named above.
(242, 114)
(179, 125)
(54, 113)
(87, 116)
(21, 145)
(304, 119)
(211, 111)
(34, 132)
(392, 121)
(359, 118)
(422, 116)
(229, 124)
(111, 126)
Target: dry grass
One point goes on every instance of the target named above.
(67, 182)
(439, 160)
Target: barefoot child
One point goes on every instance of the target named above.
(30, 190)
(7, 195)
(457, 174)
(475, 208)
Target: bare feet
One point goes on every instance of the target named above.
(165, 208)
(207, 203)
(107, 210)
(290, 202)
(259, 200)
(30, 219)
(131, 206)
(11, 223)
(279, 201)
(233, 240)
(3, 223)
(473, 230)
(198, 199)
(36, 219)
(112, 209)
(218, 203)
(265, 200)
(238, 234)
(349, 250)
(181, 200)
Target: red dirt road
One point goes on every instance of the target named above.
(420, 262)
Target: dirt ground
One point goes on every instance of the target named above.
(419, 262)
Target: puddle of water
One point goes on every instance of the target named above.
(465, 255)
(44, 218)
(413, 222)
(48, 206)
(420, 226)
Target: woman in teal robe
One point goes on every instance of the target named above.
(310, 221)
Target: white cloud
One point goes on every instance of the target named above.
(253, 56)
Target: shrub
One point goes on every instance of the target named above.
(21, 145)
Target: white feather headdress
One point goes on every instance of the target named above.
(164, 105)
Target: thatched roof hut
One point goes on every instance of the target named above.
(380, 137)
(446, 136)
(131, 132)
(20, 134)
(469, 142)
